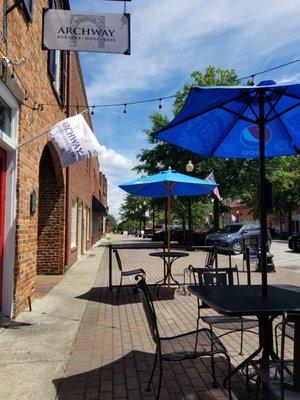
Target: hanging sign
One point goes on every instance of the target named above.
(83, 31)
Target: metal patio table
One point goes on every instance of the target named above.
(247, 300)
(166, 256)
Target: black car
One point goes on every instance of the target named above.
(232, 237)
(294, 241)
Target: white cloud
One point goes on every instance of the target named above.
(171, 38)
(118, 169)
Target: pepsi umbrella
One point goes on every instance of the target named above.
(240, 122)
(167, 184)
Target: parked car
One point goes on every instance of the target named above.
(294, 241)
(231, 237)
(148, 233)
(159, 234)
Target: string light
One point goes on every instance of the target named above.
(40, 105)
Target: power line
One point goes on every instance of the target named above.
(39, 105)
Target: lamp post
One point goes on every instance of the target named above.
(144, 215)
(189, 168)
(140, 218)
(237, 216)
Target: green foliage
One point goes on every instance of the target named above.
(111, 223)
(237, 178)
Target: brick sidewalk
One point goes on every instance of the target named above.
(113, 352)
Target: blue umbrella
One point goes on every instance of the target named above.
(240, 122)
(166, 184)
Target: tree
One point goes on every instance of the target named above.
(112, 223)
(163, 155)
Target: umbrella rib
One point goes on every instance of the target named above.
(284, 127)
(240, 116)
(283, 92)
(272, 106)
(227, 131)
(283, 112)
(199, 114)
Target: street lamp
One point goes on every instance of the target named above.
(190, 168)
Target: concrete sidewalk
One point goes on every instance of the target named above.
(35, 348)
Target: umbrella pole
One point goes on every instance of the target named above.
(263, 208)
(169, 230)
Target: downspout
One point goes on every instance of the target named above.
(67, 210)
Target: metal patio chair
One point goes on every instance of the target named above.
(187, 346)
(133, 272)
(289, 333)
(211, 261)
(221, 277)
(279, 377)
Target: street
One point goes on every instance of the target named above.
(283, 256)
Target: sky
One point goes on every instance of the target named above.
(169, 40)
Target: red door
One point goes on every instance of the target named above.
(2, 208)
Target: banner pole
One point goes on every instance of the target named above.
(48, 130)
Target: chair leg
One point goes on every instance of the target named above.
(148, 389)
(229, 377)
(120, 284)
(242, 340)
(160, 378)
(213, 371)
(196, 342)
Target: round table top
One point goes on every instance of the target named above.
(174, 254)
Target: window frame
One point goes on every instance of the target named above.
(57, 64)
(74, 224)
(28, 6)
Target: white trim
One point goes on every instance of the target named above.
(10, 145)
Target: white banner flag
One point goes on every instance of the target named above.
(74, 140)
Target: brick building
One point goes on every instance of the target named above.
(46, 211)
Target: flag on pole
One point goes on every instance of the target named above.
(211, 177)
(74, 140)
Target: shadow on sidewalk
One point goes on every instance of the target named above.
(127, 378)
(126, 295)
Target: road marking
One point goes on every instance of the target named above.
(287, 259)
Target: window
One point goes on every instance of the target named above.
(28, 8)
(5, 117)
(57, 67)
(74, 223)
(88, 229)
(8, 119)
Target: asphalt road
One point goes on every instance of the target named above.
(283, 256)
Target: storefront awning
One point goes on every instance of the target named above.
(98, 207)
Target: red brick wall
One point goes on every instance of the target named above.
(24, 40)
(50, 256)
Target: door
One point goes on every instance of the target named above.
(79, 252)
(2, 208)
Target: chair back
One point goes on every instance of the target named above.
(118, 259)
(142, 289)
(287, 375)
(214, 276)
(211, 260)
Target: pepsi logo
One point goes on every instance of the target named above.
(250, 136)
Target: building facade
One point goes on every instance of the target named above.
(46, 211)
